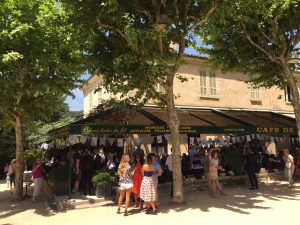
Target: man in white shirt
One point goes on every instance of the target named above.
(169, 163)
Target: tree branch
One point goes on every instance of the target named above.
(102, 24)
(269, 55)
(201, 22)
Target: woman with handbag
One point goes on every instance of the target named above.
(125, 182)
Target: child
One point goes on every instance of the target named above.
(7, 181)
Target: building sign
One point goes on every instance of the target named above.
(276, 130)
(95, 129)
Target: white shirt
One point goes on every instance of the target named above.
(169, 162)
(288, 161)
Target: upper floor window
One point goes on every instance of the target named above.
(254, 93)
(91, 100)
(288, 94)
(208, 84)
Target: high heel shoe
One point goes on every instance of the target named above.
(118, 211)
(125, 213)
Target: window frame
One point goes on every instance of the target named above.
(208, 84)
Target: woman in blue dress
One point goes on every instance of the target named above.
(148, 191)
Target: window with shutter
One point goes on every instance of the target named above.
(288, 94)
(254, 93)
(212, 84)
(203, 87)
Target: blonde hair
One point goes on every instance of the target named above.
(123, 164)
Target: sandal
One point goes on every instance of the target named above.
(118, 211)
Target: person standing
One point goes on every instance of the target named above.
(296, 155)
(251, 168)
(169, 164)
(125, 183)
(110, 162)
(289, 166)
(12, 174)
(158, 172)
(76, 169)
(137, 180)
(213, 172)
(37, 175)
(148, 193)
(206, 166)
(139, 151)
(192, 151)
(87, 169)
(5, 171)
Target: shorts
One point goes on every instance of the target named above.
(125, 186)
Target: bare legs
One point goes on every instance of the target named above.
(126, 192)
(214, 187)
(150, 205)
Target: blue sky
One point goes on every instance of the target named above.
(76, 104)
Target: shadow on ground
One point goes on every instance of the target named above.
(238, 199)
(10, 207)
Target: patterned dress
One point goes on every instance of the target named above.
(137, 179)
(125, 180)
(148, 192)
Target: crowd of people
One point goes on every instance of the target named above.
(141, 179)
(139, 175)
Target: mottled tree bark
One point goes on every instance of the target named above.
(18, 194)
(173, 123)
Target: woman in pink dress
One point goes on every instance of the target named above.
(137, 180)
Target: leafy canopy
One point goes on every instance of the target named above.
(255, 37)
(39, 59)
(129, 42)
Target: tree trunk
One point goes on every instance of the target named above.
(292, 83)
(19, 157)
(173, 123)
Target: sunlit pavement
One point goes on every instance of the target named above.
(274, 203)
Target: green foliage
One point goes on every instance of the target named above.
(39, 59)
(31, 155)
(59, 174)
(63, 117)
(233, 158)
(103, 177)
(254, 37)
(129, 42)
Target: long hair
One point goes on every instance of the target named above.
(124, 162)
(141, 160)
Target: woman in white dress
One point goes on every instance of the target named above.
(148, 186)
(213, 172)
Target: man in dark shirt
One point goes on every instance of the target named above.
(87, 168)
(251, 168)
(138, 151)
(76, 168)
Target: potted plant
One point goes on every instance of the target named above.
(104, 181)
(59, 178)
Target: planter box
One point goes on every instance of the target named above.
(103, 191)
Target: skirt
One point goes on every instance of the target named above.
(148, 189)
